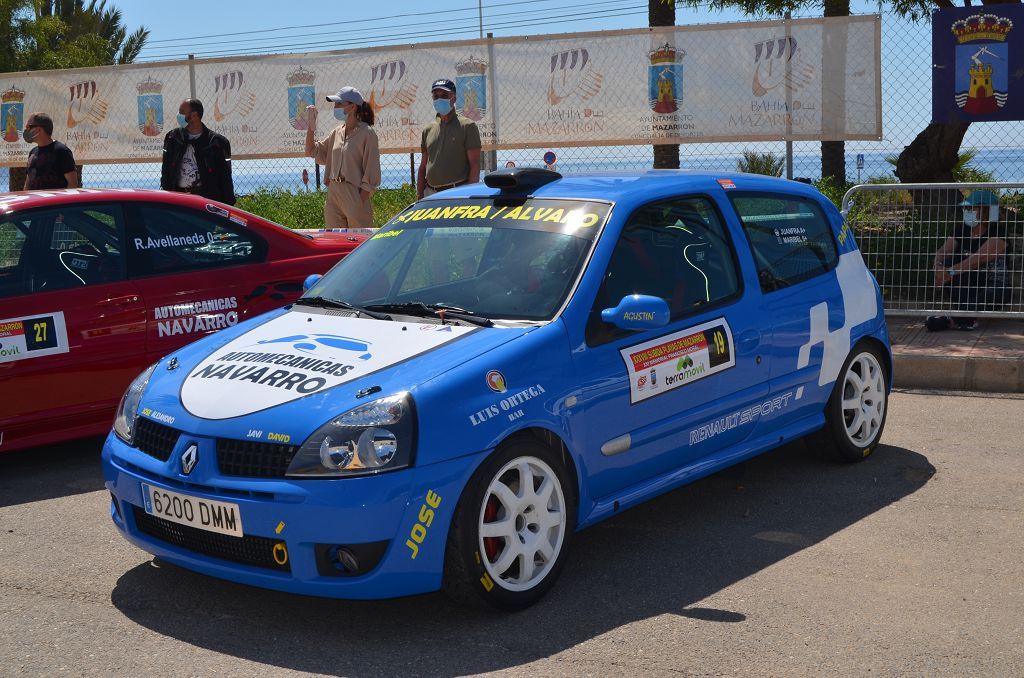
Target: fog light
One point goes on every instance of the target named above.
(348, 560)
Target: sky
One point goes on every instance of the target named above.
(260, 26)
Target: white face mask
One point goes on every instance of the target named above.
(970, 218)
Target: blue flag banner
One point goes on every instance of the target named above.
(978, 64)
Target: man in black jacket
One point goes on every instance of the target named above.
(197, 159)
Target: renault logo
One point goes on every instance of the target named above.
(189, 458)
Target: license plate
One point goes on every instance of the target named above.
(204, 514)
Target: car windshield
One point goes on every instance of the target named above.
(495, 258)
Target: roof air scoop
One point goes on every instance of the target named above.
(520, 179)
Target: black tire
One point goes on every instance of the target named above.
(835, 441)
(470, 574)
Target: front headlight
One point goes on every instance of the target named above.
(375, 437)
(128, 410)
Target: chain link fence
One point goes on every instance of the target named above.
(928, 261)
(995, 148)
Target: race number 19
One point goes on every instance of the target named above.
(718, 346)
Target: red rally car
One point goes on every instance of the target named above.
(95, 284)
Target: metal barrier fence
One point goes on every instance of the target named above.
(916, 239)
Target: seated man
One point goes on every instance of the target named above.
(971, 264)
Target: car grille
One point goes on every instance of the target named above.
(252, 459)
(247, 550)
(155, 439)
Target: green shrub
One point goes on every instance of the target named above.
(305, 209)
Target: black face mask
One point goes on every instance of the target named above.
(28, 135)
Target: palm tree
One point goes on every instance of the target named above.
(74, 20)
(663, 13)
(66, 34)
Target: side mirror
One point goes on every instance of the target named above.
(310, 280)
(638, 312)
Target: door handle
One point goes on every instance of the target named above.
(119, 302)
(748, 340)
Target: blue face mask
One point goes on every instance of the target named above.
(443, 106)
(182, 122)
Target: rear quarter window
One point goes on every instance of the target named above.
(790, 238)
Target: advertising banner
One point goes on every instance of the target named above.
(806, 79)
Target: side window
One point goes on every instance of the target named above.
(789, 236)
(12, 244)
(677, 250)
(169, 240)
(55, 249)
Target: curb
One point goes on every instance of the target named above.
(996, 375)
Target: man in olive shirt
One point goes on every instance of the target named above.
(450, 146)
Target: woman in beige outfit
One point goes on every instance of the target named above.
(350, 155)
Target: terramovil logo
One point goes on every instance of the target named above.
(312, 343)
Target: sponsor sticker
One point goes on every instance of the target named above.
(496, 381)
(667, 363)
(158, 416)
(196, 239)
(510, 406)
(281, 360)
(214, 209)
(205, 315)
(739, 418)
(726, 183)
(32, 336)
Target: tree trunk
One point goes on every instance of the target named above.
(833, 161)
(932, 155)
(930, 158)
(663, 13)
(833, 153)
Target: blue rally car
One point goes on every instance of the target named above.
(499, 366)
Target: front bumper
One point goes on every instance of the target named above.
(390, 510)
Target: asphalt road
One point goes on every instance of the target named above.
(909, 563)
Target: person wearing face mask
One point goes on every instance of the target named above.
(51, 164)
(971, 264)
(449, 147)
(196, 159)
(350, 154)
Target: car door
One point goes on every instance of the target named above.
(71, 324)
(658, 399)
(795, 253)
(195, 270)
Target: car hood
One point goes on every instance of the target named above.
(309, 364)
